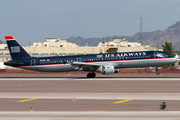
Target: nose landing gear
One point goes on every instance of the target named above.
(157, 73)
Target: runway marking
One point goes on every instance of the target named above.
(98, 110)
(68, 74)
(27, 100)
(123, 101)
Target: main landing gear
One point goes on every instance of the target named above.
(91, 75)
(157, 73)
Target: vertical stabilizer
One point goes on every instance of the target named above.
(15, 49)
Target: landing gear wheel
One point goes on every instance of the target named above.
(157, 73)
(88, 75)
(91, 75)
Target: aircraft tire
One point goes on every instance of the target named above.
(92, 75)
(157, 73)
(88, 75)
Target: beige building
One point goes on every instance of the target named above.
(122, 45)
(54, 42)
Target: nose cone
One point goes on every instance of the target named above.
(173, 60)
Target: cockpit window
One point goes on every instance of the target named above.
(161, 55)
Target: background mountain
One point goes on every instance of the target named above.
(2, 42)
(171, 34)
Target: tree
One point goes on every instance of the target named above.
(168, 48)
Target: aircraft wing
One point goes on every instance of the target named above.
(86, 66)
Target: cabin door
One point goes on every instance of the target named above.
(78, 59)
(121, 58)
(33, 62)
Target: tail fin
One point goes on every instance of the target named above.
(15, 49)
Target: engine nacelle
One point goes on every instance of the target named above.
(107, 69)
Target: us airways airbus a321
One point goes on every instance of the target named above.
(107, 63)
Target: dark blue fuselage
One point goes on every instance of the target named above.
(118, 60)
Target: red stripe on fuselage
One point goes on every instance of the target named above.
(100, 61)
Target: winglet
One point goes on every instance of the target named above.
(9, 38)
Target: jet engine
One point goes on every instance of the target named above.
(108, 69)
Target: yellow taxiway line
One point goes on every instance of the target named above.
(27, 100)
(98, 110)
(123, 101)
(68, 74)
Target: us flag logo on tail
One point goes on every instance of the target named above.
(15, 49)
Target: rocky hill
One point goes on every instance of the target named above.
(2, 42)
(171, 34)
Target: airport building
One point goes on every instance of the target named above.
(61, 47)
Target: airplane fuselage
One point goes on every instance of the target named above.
(118, 60)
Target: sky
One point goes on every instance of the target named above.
(35, 20)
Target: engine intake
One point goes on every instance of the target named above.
(108, 69)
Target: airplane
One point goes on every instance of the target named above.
(105, 63)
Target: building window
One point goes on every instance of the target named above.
(35, 53)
